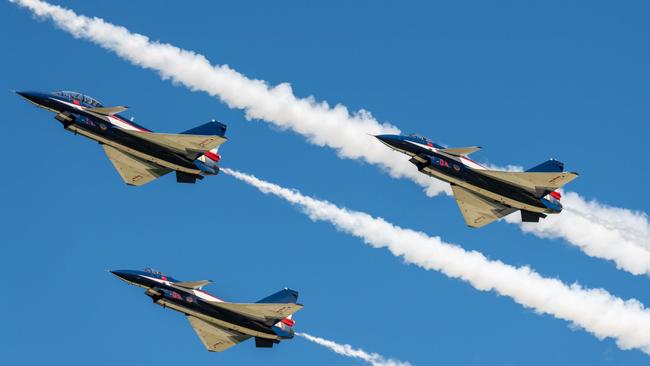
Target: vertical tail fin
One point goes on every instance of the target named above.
(549, 166)
(209, 158)
(285, 325)
(284, 296)
(212, 128)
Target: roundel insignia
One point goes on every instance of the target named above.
(456, 167)
(189, 299)
(103, 127)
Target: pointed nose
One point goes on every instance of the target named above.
(34, 97)
(118, 273)
(389, 140)
(125, 275)
(23, 94)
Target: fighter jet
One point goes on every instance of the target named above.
(219, 324)
(485, 195)
(138, 154)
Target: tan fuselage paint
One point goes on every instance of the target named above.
(449, 179)
(219, 322)
(484, 192)
(133, 152)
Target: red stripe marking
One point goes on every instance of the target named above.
(289, 322)
(556, 195)
(212, 156)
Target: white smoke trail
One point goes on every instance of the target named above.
(323, 125)
(605, 232)
(595, 310)
(599, 231)
(347, 350)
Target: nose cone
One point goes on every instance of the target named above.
(126, 275)
(392, 141)
(34, 97)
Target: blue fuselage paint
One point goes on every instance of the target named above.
(100, 128)
(163, 292)
(452, 170)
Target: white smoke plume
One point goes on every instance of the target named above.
(322, 124)
(616, 234)
(348, 351)
(599, 231)
(594, 310)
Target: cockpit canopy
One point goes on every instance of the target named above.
(158, 274)
(419, 137)
(153, 271)
(80, 97)
(426, 141)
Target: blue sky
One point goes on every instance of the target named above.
(526, 82)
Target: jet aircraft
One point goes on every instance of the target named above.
(484, 195)
(219, 324)
(138, 154)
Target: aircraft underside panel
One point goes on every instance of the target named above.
(478, 211)
(215, 338)
(134, 171)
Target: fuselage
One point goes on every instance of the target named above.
(74, 111)
(464, 172)
(198, 303)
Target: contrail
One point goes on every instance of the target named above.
(594, 310)
(347, 350)
(615, 234)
